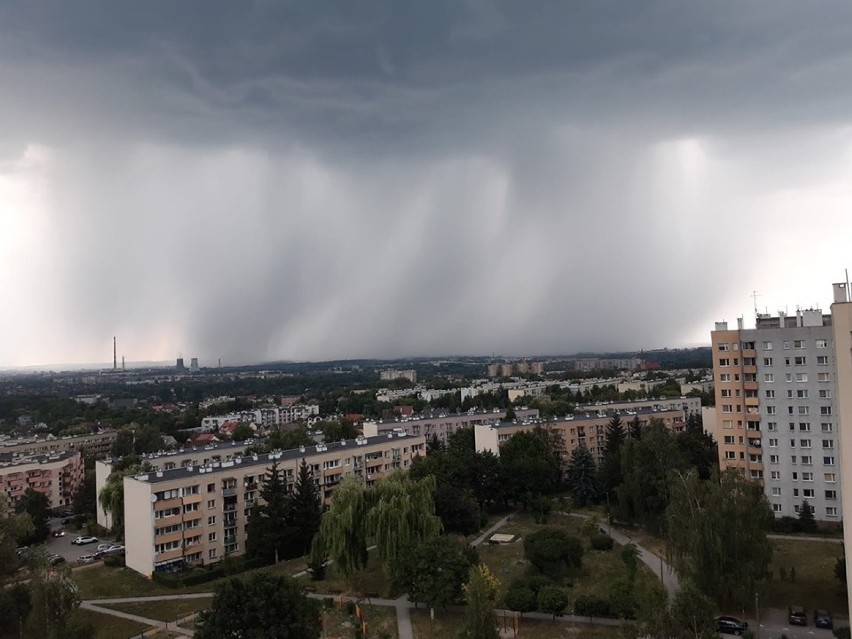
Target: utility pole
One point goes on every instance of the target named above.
(757, 612)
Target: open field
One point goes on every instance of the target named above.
(815, 585)
(169, 610)
(449, 624)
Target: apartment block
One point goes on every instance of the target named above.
(57, 475)
(584, 429)
(170, 460)
(775, 411)
(392, 373)
(441, 425)
(96, 445)
(198, 514)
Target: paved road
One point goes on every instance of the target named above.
(481, 539)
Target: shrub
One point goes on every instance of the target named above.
(842, 633)
(786, 525)
(602, 542)
(114, 561)
(553, 551)
(552, 600)
(520, 597)
(591, 606)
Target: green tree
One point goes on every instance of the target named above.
(479, 593)
(582, 477)
(242, 433)
(305, 512)
(37, 506)
(717, 534)
(147, 439)
(263, 606)
(335, 431)
(15, 606)
(53, 596)
(692, 613)
(86, 499)
(13, 527)
(432, 571)
(268, 531)
(530, 465)
(111, 497)
(807, 523)
(553, 600)
(630, 557)
(698, 448)
(343, 534)
(123, 444)
(520, 597)
(553, 551)
(634, 429)
(610, 470)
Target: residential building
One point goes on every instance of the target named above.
(170, 460)
(56, 475)
(687, 405)
(392, 373)
(97, 445)
(775, 409)
(841, 324)
(441, 425)
(198, 514)
(583, 429)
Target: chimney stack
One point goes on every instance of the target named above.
(114, 355)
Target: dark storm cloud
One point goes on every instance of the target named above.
(258, 180)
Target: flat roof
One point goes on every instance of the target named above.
(14, 459)
(588, 417)
(266, 459)
(195, 449)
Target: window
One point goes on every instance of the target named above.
(724, 362)
(831, 494)
(727, 408)
(767, 361)
(724, 347)
(825, 410)
(211, 521)
(829, 478)
(776, 508)
(729, 439)
(729, 454)
(776, 491)
(828, 461)
(828, 443)
(772, 426)
(211, 536)
(792, 443)
(770, 394)
(211, 504)
(796, 494)
(792, 459)
(767, 346)
(823, 377)
(212, 553)
(773, 459)
(787, 361)
(822, 360)
(770, 410)
(773, 443)
(826, 427)
(792, 426)
(211, 488)
(821, 343)
(807, 460)
(805, 427)
(802, 393)
(804, 410)
(786, 345)
(790, 410)
(747, 346)
(727, 423)
(768, 377)
(807, 476)
(725, 377)
(789, 393)
(801, 377)
(775, 474)
(795, 476)
(726, 392)
(788, 377)
(808, 493)
(799, 343)
(805, 443)
(831, 511)
(824, 393)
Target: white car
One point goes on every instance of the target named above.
(82, 541)
(115, 549)
(103, 547)
(85, 559)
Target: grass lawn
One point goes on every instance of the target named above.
(163, 610)
(815, 585)
(450, 624)
(600, 568)
(371, 579)
(109, 627)
(102, 582)
(381, 621)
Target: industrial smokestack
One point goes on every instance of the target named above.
(114, 355)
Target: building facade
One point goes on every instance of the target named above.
(97, 445)
(775, 410)
(58, 476)
(584, 429)
(441, 425)
(197, 514)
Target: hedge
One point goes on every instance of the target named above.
(203, 575)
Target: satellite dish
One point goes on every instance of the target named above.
(153, 498)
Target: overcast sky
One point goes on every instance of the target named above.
(277, 180)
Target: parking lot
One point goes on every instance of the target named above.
(63, 547)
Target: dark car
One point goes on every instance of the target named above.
(797, 616)
(55, 560)
(822, 619)
(731, 625)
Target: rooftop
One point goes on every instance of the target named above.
(588, 417)
(14, 459)
(267, 458)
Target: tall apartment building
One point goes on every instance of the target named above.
(57, 475)
(841, 324)
(584, 429)
(775, 411)
(198, 514)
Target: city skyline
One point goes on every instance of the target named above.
(287, 182)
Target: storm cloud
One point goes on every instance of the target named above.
(270, 180)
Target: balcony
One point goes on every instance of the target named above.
(229, 492)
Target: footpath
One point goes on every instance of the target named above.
(402, 604)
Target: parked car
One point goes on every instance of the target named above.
(115, 549)
(85, 559)
(797, 616)
(82, 541)
(58, 533)
(822, 619)
(55, 560)
(731, 625)
(104, 547)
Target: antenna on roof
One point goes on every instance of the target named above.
(754, 296)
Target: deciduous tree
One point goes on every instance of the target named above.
(479, 593)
